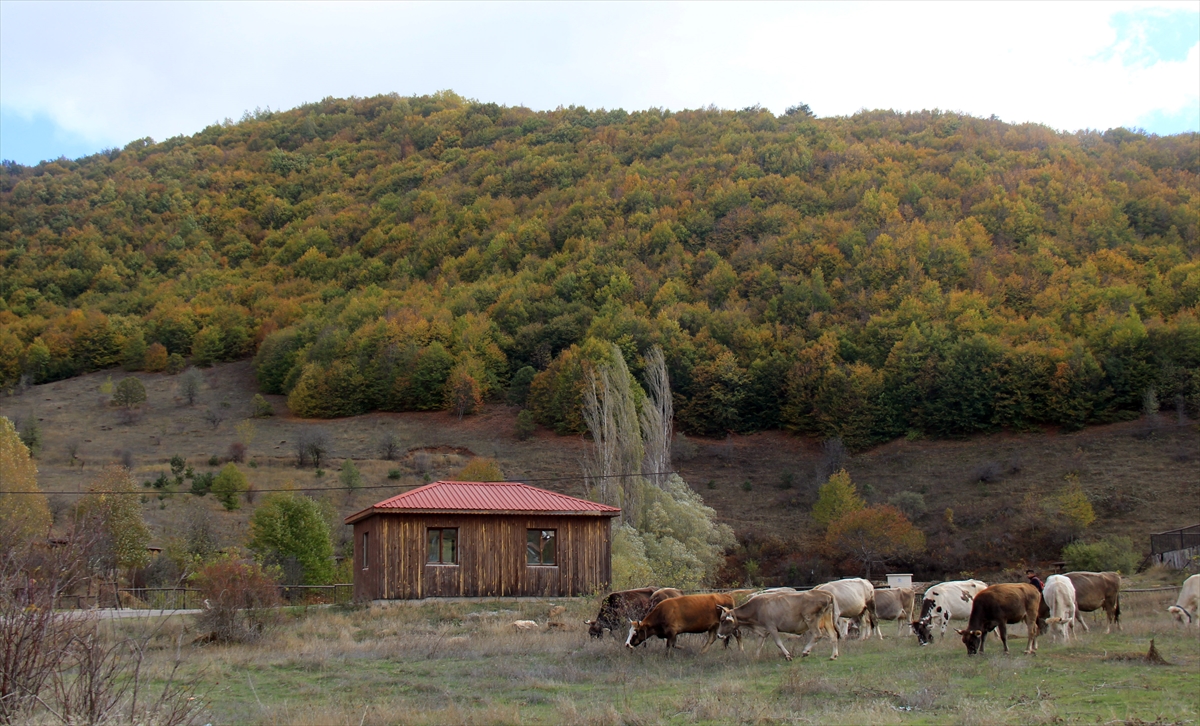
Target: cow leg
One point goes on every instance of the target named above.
(1002, 630)
(779, 642)
(712, 636)
(814, 629)
(670, 644)
(1079, 619)
(762, 640)
(1032, 629)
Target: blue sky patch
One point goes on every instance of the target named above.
(29, 140)
(1146, 37)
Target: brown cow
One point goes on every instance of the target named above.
(619, 608)
(784, 612)
(678, 615)
(998, 607)
(1096, 590)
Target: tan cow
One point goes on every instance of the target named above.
(1096, 590)
(812, 612)
(894, 604)
(855, 598)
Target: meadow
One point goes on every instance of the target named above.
(463, 662)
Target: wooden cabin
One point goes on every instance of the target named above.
(481, 539)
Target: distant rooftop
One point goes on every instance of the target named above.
(474, 497)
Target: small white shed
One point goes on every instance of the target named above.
(896, 580)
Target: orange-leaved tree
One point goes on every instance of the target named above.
(877, 534)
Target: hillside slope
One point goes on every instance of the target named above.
(861, 277)
(1141, 476)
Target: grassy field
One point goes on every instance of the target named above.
(464, 663)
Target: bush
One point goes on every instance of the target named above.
(202, 483)
(1114, 554)
(175, 363)
(129, 393)
(911, 503)
(526, 425)
(394, 474)
(262, 407)
(228, 485)
(239, 597)
(349, 476)
(237, 452)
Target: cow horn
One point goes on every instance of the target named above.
(588, 622)
(960, 632)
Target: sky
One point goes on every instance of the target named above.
(76, 78)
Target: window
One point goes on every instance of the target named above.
(443, 546)
(539, 547)
(366, 549)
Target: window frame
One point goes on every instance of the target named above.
(366, 550)
(542, 549)
(441, 534)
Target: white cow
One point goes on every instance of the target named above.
(1059, 596)
(1186, 607)
(943, 603)
(853, 598)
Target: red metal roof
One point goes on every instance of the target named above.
(474, 496)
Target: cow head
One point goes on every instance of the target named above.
(637, 634)
(973, 639)
(728, 624)
(595, 629)
(924, 630)
(1181, 615)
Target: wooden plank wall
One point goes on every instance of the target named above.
(491, 557)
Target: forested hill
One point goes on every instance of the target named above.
(863, 277)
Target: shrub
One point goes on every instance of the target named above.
(349, 475)
(911, 503)
(239, 598)
(1109, 554)
(237, 452)
(228, 485)
(480, 470)
(312, 445)
(175, 363)
(202, 483)
(388, 446)
(526, 425)
(394, 474)
(683, 448)
(874, 535)
(129, 393)
(214, 460)
(262, 407)
(189, 386)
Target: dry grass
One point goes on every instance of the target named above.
(463, 663)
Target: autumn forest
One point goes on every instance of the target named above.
(864, 277)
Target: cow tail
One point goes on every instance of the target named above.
(828, 621)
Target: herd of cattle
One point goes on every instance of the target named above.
(831, 610)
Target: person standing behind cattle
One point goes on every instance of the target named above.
(1035, 580)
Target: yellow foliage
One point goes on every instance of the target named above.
(480, 470)
(836, 498)
(1073, 503)
(23, 517)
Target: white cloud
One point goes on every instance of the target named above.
(115, 72)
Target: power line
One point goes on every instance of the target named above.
(358, 488)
